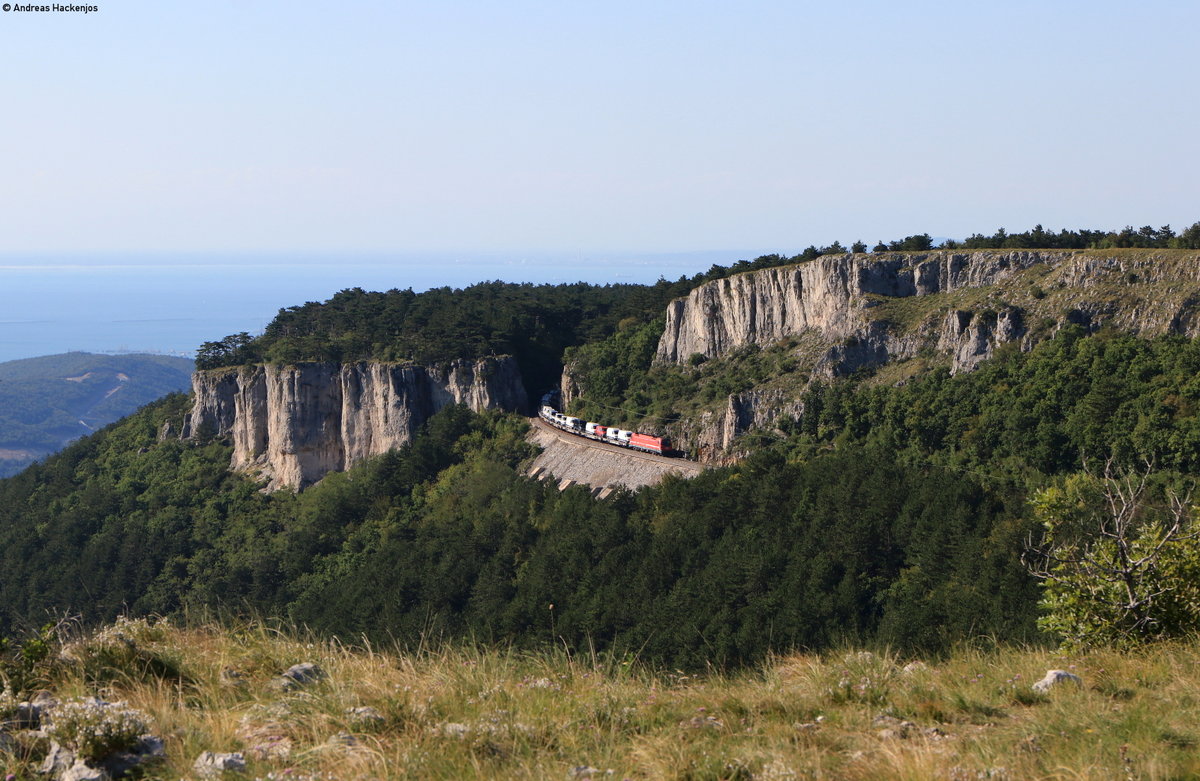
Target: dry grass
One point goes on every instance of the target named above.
(474, 713)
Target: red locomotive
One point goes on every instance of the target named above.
(610, 434)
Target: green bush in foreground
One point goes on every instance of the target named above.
(1119, 559)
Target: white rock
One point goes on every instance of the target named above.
(296, 423)
(454, 729)
(58, 760)
(894, 728)
(81, 771)
(211, 764)
(365, 715)
(299, 675)
(827, 296)
(232, 677)
(1054, 678)
(343, 739)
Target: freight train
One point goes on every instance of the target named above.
(614, 436)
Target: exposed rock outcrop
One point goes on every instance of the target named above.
(864, 311)
(827, 294)
(970, 338)
(294, 424)
(713, 433)
(298, 676)
(568, 388)
(213, 765)
(834, 294)
(1055, 678)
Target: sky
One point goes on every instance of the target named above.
(256, 126)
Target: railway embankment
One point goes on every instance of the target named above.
(571, 460)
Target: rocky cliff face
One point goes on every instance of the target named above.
(834, 295)
(294, 424)
(829, 295)
(868, 310)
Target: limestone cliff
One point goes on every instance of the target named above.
(835, 296)
(294, 424)
(954, 308)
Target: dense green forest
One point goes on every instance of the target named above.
(533, 323)
(886, 515)
(48, 401)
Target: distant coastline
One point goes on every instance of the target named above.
(169, 304)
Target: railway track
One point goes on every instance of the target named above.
(681, 464)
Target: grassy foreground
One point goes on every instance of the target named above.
(473, 713)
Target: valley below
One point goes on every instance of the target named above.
(48, 402)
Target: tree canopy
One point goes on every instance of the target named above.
(884, 515)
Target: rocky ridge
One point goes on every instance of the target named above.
(292, 425)
(834, 294)
(955, 308)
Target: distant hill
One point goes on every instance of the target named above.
(47, 402)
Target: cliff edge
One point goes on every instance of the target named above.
(841, 313)
(970, 302)
(292, 425)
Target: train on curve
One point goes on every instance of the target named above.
(601, 433)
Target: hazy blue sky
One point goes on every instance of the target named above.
(249, 125)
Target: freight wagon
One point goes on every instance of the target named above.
(600, 432)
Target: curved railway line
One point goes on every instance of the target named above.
(579, 452)
(681, 464)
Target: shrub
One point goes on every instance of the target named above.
(127, 648)
(94, 729)
(25, 664)
(1117, 568)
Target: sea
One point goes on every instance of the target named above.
(171, 303)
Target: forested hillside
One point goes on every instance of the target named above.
(894, 506)
(891, 514)
(533, 323)
(739, 356)
(49, 401)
